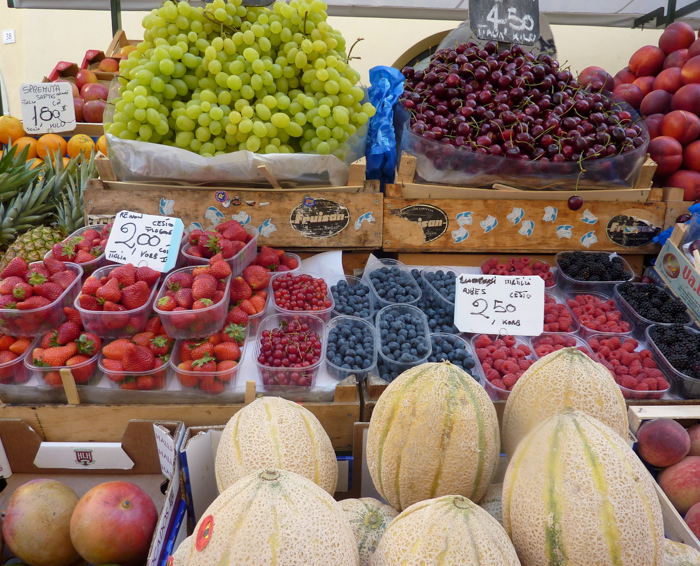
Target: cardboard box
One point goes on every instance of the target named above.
(147, 456)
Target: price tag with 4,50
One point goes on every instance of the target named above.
(500, 304)
(145, 240)
(47, 108)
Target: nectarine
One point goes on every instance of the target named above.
(647, 61)
(596, 76)
(690, 73)
(677, 35)
(630, 93)
(694, 431)
(677, 58)
(681, 483)
(691, 160)
(694, 49)
(108, 65)
(681, 125)
(84, 77)
(645, 84)
(692, 519)
(653, 123)
(656, 102)
(625, 76)
(668, 154)
(689, 181)
(687, 98)
(668, 80)
(662, 442)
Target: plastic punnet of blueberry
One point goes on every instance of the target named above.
(443, 282)
(350, 347)
(352, 300)
(393, 285)
(654, 303)
(402, 340)
(451, 349)
(440, 319)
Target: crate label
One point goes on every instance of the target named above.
(267, 228)
(432, 220)
(489, 223)
(145, 240)
(588, 239)
(367, 216)
(588, 217)
(631, 232)
(83, 455)
(5, 469)
(527, 228)
(679, 274)
(47, 107)
(564, 231)
(500, 304)
(319, 218)
(242, 217)
(510, 21)
(167, 206)
(167, 453)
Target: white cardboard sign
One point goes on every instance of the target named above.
(83, 455)
(500, 304)
(145, 240)
(47, 108)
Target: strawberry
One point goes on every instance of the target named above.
(67, 332)
(261, 293)
(49, 340)
(136, 295)
(268, 258)
(37, 275)
(109, 292)
(184, 298)
(247, 307)
(200, 270)
(7, 356)
(57, 357)
(211, 385)
(227, 351)
(63, 278)
(215, 258)
(105, 232)
(116, 350)
(180, 281)
(186, 348)
(83, 373)
(8, 302)
(234, 232)
(224, 370)
(113, 320)
(182, 320)
(166, 304)
(154, 325)
(53, 380)
(73, 316)
(218, 297)
(205, 363)
(33, 303)
(54, 265)
(91, 285)
(50, 291)
(131, 385)
(88, 344)
(187, 379)
(113, 366)
(18, 266)
(201, 349)
(258, 303)
(204, 287)
(125, 274)
(20, 346)
(145, 382)
(83, 244)
(194, 252)
(202, 304)
(150, 276)
(160, 345)
(138, 359)
(38, 355)
(220, 269)
(64, 251)
(7, 285)
(221, 228)
(143, 339)
(6, 341)
(256, 276)
(228, 249)
(83, 257)
(193, 237)
(22, 291)
(237, 316)
(290, 262)
(282, 268)
(208, 243)
(89, 303)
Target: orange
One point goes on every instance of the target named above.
(36, 163)
(102, 145)
(10, 128)
(26, 141)
(128, 49)
(80, 143)
(49, 144)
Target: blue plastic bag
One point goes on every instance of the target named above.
(666, 234)
(386, 87)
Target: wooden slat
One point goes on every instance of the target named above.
(647, 174)
(636, 415)
(69, 386)
(104, 169)
(357, 172)
(407, 169)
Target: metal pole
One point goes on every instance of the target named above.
(116, 9)
(671, 12)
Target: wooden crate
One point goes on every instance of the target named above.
(309, 218)
(431, 218)
(118, 41)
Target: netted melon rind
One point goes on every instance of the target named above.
(369, 519)
(491, 502)
(679, 554)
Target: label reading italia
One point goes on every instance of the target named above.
(500, 304)
(47, 108)
(145, 240)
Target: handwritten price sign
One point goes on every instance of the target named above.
(145, 240)
(510, 21)
(500, 304)
(47, 108)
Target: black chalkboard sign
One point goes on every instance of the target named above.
(509, 21)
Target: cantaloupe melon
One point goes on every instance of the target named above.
(275, 433)
(271, 518)
(369, 518)
(576, 494)
(449, 530)
(679, 554)
(433, 432)
(566, 378)
(491, 502)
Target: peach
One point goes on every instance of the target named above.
(691, 160)
(692, 519)
(694, 431)
(694, 49)
(677, 58)
(662, 442)
(689, 181)
(690, 73)
(653, 123)
(647, 61)
(668, 154)
(656, 102)
(597, 77)
(84, 77)
(677, 35)
(625, 76)
(630, 93)
(687, 98)
(645, 84)
(682, 125)
(681, 483)
(668, 80)
(108, 65)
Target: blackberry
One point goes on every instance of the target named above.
(393, 285)
(440, 319)
(443, 282)
(353, 300)
(350, 346)
(592, 267)
(451, 349)
(402, 339)
(654, 303)
(679, 346)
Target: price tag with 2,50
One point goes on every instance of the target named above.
(47, 108)
(500, 304)
(145, 240)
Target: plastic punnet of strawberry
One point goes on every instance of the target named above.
(67, 347)
(85, 246)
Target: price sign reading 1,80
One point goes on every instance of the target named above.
(47, 107)
(510, 21)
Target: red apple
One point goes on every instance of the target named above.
(694, 431)
(93, 111)
(677, 35)
(692, 518)
(662, 442)
(682, 125)
(645, 84)
(113, 523)
(668, 80)
(653, 123)
(647, 61)
(656, 102)
(668, 154)
(677, 58)
(681, 483)
(78, 105)
(76, 90)
(94, 91)
(689, 181)
(687, 98)
(108, 65)
(84, 77)
(625, 76)
(593, 75)
(630, 93)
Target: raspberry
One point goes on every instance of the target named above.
(498, 383)
(498, 364)
(510, 367)
(524, 364)
(604, 350)
(542, 351)
(509, 341)
(482, 341)
(559, 340)
(571, 342)
(578, 311)
(630, 345)
(524, 348)
(499, 343)
(509, 379)
(650, 383)
(485, 367)
(488, 360)
(565, 323)
(492, 374)
(545, 328)
(648, 363)
(622, 370)
(661, 384)
(500, 354)
(629, 382)
(626, 358)
(645, 354)
(519, 373)
(641, 387)
(614, 342)
(654, 373)
(634, 370)
(491, 349)
(547, 340)
(482, 353)
(624, 326)
(554, 327)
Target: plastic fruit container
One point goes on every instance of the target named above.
(279, 378)
(238, 262)
(118, 324)
(681, 384)
(50, 377)
(550, 281)
(353, 281)
(391, 368)
(627, 392)
(375, 264)
(432, 292)
(453, 339)
(571, 341)
(567, 283)
(15, 371)
(89, 266)
(641, 323)
(152, 380)
(181, 325)
(39, 321)
(575, 326)
(494, 391)
(340, 373)
(324, 314)
(204, 382)
(584, 331)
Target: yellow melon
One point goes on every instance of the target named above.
(369, 518)
(275, 433)
(491, 502)
(576, 494)
(433, 432)
(679, 554)
(271, 517)
(449, 530)
(566, 378)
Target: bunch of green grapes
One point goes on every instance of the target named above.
(226, 78)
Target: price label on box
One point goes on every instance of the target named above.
(47, 108)
(500, 304)
(145, 240)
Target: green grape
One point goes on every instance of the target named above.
(170, 10)
(180, 86)
(280, 120)
(315, 142)
(245, 126)
(127, 135)
(258, 66)
(321, 75)
(318, 122)
(368, 109)
(235, 117)
(300, 60)
(139, 114)
(332, 87)
(119, 105)
(183, 139)
(300, 118)
(231, 130)
(309, 102)
(224, 98)
(158, 84)
(190, 81)
(248, 37)
(214, 67)
(276, 71)
(229, 46)
(270, 148)
(216, 113)
(217, 43)
(210, 52)
(324, 110)
(179, 71)
(141, 91)
(271, 130)
(195, 145)
(221, 79)
(248, 112)
(215, 128)
(184, 123)
(247, 92)
(145, 132)
(208, 96)
(263, 112)
(219, 144)
(133, 126)
(234, 82)
(256, 82)
(294, 130)
(253, 143)
(259, 128)
(333, 143)
(361, 118)
(306, 46)
(265, 44)
(141, 101)
(167, 67)
(193, 111)
(330, 122)
(202, 133)
(323, 148)
(169, 92)
(192, 37)
(183, 8)
(190, 61)
(357, 93)
(117, 128)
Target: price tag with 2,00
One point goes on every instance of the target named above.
(145, 240)
(500, 304)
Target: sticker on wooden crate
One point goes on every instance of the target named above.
(319, 218)
(631, 232)
(432, 220)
